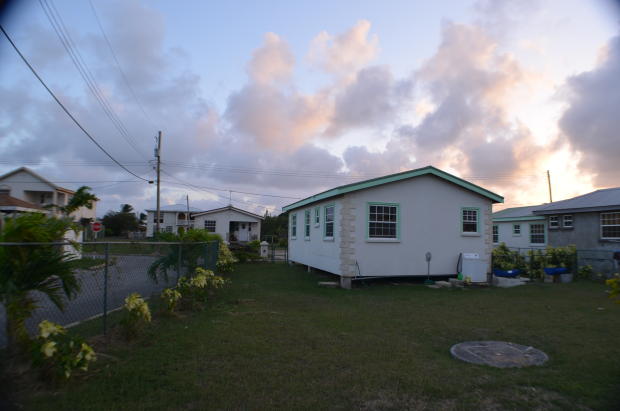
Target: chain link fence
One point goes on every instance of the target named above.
(109, 271)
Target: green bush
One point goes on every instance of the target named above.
(136, 315)
(585, 272)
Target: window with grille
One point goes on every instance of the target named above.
(610, 226)
(516, 229)
(210, 226)
(537, 233)
(567, 221)
(383, 220)
(307, 224)
(554, 221)
(330, 213)
(294, 226)
(317, 216)
(469, 220)
(495, 234)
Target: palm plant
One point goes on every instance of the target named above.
(25, 269)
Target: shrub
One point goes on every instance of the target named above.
(614, 284)
(225, 259)
(254, 245)
(137, 315)
(171, 297)
(585, 272)
(505, 259)
(195, 290)
(58, 354)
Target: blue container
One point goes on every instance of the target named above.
(503, 273)
(556, 271)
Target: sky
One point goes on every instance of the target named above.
(263, 103)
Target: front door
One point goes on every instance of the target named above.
(244, 232)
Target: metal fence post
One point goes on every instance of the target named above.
(105, 289)
(179, 263)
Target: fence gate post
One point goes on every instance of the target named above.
(179, 263)
(105, 289)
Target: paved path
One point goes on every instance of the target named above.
(127, 275)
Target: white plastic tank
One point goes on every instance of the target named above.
(474, 268)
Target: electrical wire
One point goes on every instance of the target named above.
(57, 23)
(118, 65)
(64, 108)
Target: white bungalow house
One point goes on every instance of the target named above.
(519, 227)
(386, 226)
(231, 223)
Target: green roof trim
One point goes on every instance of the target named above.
(393, 178)
(529, 218)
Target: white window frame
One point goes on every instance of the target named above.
(516, 230)
(214, 225)
(470, 233)
(495, 233)
(317, 216)
(168, 228)
(396, 223)
(293, 226)
(327, 223)
(554, 222)
(564, 219)
(544, 233)
(307, 225)
(608, 225)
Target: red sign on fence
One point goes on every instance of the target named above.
(96, 226)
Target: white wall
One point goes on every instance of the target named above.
(23, 181)
(518, 241)
(315, 251)
(222, 221)
(430, 220)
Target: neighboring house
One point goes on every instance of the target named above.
(385, 226)
(518, 227)
(590, 221)
(231, 223)
(23, 190)
(173, 218)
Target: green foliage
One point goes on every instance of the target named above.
(58, 354)
(585, 272)
(82, 198)
(561, 257)
(254, 245)
(275, 226)
(119, 223)
(171, 298)
(136, 315)
(195, 290)
(192, 250)
(46, 269)
(225, 259)
(614, 284)
(505, 259)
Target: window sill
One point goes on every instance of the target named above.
(470, 234)
(307, 239)
(538, 244)
(383, 240)
(516, 235)
(328, 238)
(293, 238)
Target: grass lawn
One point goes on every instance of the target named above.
(274, 340)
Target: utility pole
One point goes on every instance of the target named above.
(549, 184)
(187, 219)
(158, 156)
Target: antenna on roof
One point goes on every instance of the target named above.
(230, 197)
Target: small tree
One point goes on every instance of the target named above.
(119, 223)
(82, 198)
(27, 268)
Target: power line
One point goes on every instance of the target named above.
(133, 93)
(70, 46)
(64, 108)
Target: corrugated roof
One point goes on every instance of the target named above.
(517, 214)
(8, 201)
(229, 207)
(428, 170)
(605, 199)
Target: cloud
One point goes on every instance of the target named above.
(591, 121)
(271, 63)
(345, 53)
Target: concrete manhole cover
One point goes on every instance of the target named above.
(498, 354)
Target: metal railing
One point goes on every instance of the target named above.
(601, 261)
(109, 271)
